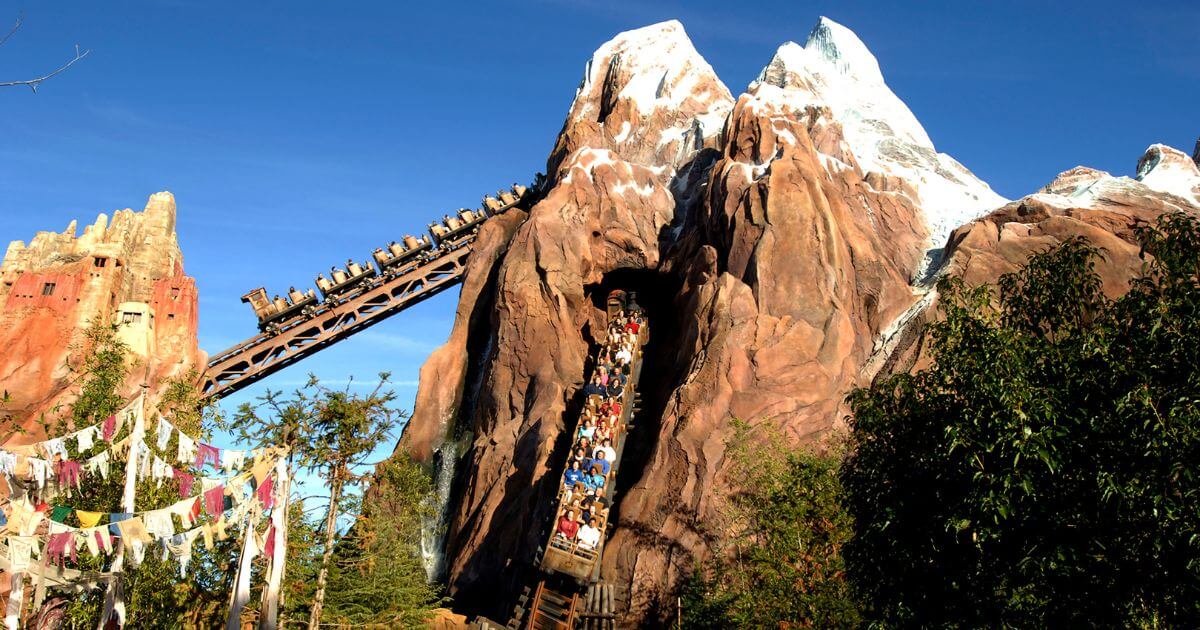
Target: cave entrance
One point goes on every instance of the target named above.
(663, 361)
(653, 291)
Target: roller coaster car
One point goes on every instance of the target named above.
(272, 312)
(492, 205)
(452, 227)
(617, 301)
(398, 253)
(343, 280)
(506, 197)
(570, 558)
(519, 190)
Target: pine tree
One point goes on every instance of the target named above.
(377, 576)
(330, 433)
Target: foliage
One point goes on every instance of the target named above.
(106, 363)
(377, 576)
(340, 430)
(1043, 472)
(156, 594)
(325, 428)
(780, 562)
(330, 433)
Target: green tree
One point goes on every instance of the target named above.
(1043, 471)
(331, 433)
(156, 594)
(377, 577)
(777, 560)
(106, 364)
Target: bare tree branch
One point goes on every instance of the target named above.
(20, 20)
(34, 83)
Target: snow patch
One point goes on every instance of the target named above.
(644, 191)
(623, 133)
(834, 69)
(1171, 171)
(783, 133)
(665, 68)
(832, 164)
(1163, 172)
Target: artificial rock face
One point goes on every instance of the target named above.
(127, 272)
(771, 244)
(782, 243)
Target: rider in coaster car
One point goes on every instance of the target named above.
(605, 450)
(567, 525)
(589, 535)
(616, 385)
(573, 475)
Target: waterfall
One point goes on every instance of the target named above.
(445, 466)
(433, 525)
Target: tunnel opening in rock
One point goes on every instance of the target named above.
(662, 364)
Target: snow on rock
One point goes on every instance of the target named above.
(1165, 176)
(1169, 170)
(668, 68)
(649, 97)
(835, 70)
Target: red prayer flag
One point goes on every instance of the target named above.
(185, 482)
(214, 501)
(265, 496)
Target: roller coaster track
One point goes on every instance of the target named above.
(336, 319)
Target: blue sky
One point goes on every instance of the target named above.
(297, 134)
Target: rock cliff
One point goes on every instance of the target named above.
(1080, 202)
(128, 272)
(772, 239)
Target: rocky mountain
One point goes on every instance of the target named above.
(127, 271)
(772, 238)
(834, 69)
(782, 243)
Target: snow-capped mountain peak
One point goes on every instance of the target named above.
(1165, 175)
(649, 97)
(839, 46)
(835, 69)
(668, 67)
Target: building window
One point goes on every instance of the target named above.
(48, 288)
(100, 261)
(131, 318)
(174, 293)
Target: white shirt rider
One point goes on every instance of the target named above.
(588, 536)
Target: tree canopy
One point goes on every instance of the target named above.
(777, 559)
(1043, 471)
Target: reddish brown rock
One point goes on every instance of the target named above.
(1081, 202)
(798, 270)
(444, 373)
(769, 268)
(128, 272)
(773, 248)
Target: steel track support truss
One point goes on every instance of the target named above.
(263, 355)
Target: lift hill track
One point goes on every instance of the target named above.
(353, 299)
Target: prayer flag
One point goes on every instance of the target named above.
(88, 519)
(59, 513)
